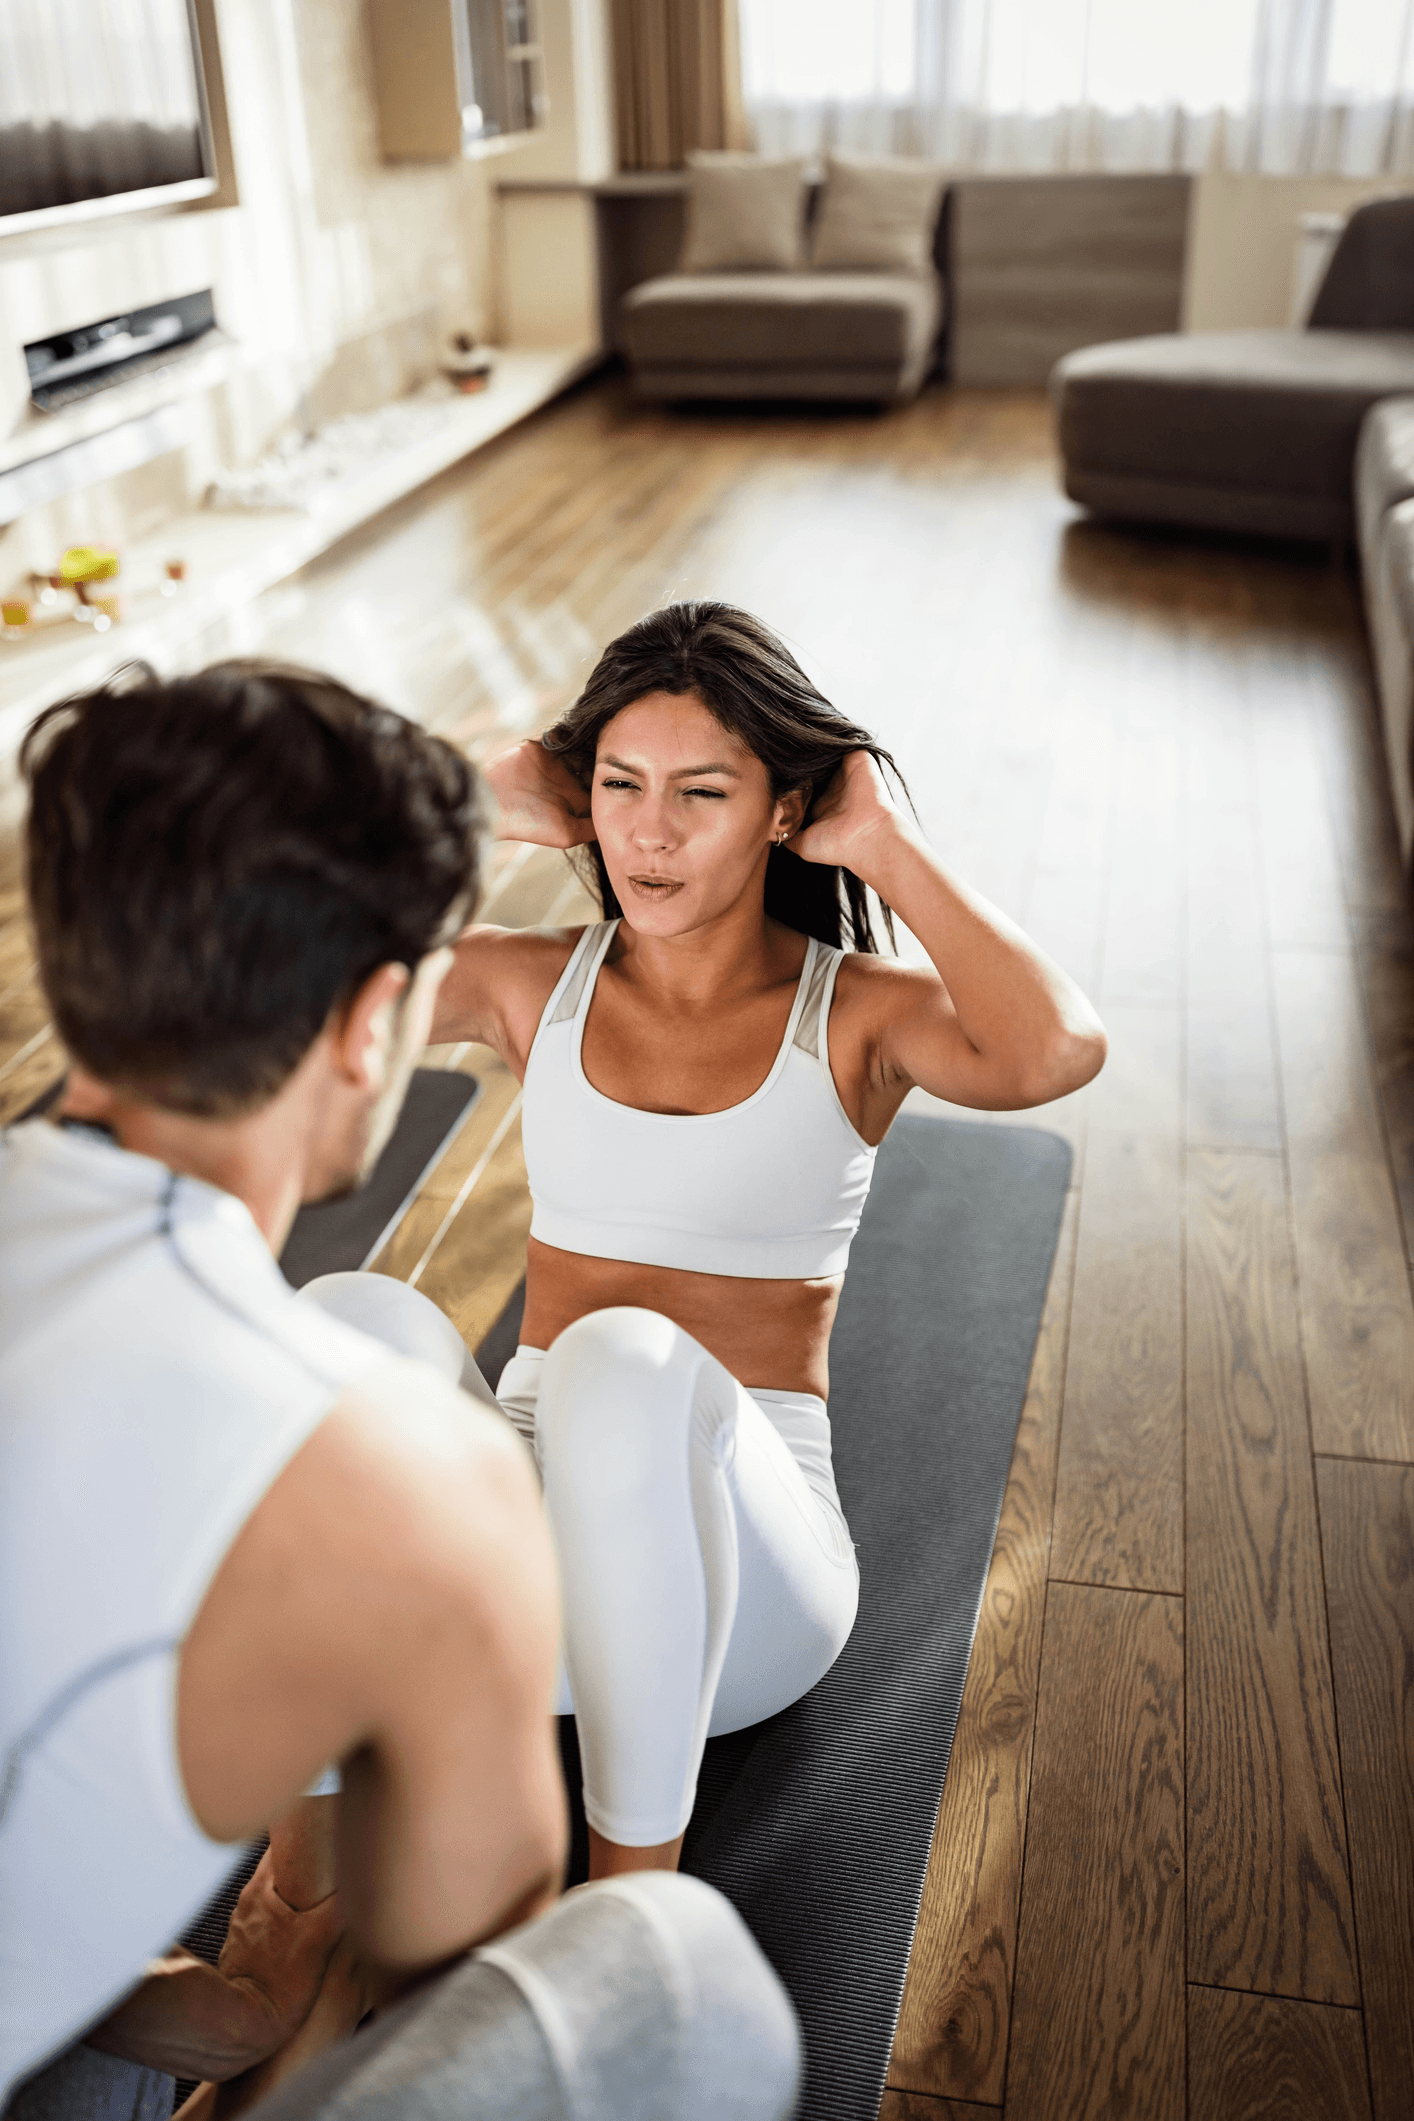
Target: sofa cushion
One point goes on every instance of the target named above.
(745, 213)
(1271, 412)
(1369, 283)
(1384, 468)
(787, 320)
(878, 214)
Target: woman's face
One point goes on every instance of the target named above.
(683, 813)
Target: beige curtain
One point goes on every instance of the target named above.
(677, 80)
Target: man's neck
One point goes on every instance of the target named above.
(260, 1157)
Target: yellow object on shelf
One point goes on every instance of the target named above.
(14, 611)
(88, 563)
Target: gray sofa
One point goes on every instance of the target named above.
(1251, 431)
(866, 336)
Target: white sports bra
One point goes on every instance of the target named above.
(770, 1189)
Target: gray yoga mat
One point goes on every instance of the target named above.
(817, 1824)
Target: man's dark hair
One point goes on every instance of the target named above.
(218, 862)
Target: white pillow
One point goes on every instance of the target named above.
(878, 214)
(745, 213)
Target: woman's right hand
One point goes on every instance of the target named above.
(539, 799)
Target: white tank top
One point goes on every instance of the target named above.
(156, 1374)
(772, 1188)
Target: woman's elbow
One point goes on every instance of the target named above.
(1072, 1057)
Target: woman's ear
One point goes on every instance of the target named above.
(790, 813)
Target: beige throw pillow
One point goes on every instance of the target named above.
(745, 213)
(878, 215)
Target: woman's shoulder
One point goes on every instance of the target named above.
(864, 972)
(870, 989)
(516, 963)
(509, 974)
(531, 949)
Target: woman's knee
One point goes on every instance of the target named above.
(621, 1374)
(391, 1311)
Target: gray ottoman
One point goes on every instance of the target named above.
(867, 335)
(1250, 431)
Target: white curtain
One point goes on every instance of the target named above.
(1279, 85)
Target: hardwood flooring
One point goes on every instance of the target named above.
(1173, 1870)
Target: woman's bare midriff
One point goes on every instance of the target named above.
(771, 1335)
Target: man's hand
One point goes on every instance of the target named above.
(213, 2022)
(540, 800)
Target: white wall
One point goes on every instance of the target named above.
(576, 143)
(547, 261)
(1242, 243)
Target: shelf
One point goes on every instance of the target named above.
(233, 556)
(189, 371)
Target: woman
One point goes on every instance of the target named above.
(708, 1073)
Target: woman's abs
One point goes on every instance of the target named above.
(771, 1335)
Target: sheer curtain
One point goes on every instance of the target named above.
(1279, 85)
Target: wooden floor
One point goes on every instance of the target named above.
(1174, 1867)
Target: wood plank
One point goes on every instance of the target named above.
(951, 2039)
(1357, 1316)
(1267, 2059)
(1143, 952)
(1098, 2019)
(1367, 1538)
(1232, 1093)
(480, 1256)
(1268, 1894)
(409, 1249)
(918, 2106)
(1119, 1489)
(29, 1074)
(1305, 889)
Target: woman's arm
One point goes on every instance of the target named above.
(539, 802)
(1006, 1027)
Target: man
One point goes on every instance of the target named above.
(241, 1541)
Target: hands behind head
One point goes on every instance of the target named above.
(539, 799)
(855, 815)
(542, 803)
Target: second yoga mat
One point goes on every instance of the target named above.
(817, 1824)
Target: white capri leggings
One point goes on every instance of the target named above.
(708, 1574)
(707, 1582)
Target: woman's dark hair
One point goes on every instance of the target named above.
(754, 686)
(217, 862)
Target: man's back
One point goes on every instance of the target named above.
(156, 1375)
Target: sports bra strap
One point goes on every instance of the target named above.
(817, 978)
(579, 971)
(818, 985)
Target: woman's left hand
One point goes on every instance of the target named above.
(854, 816)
